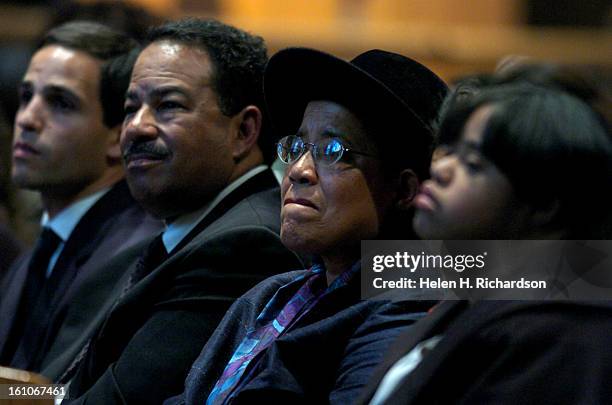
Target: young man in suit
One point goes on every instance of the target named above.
(195, 155)
(66, 146)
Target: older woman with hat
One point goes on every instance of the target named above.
(357, 145)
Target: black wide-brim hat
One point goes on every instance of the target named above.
(384, 89)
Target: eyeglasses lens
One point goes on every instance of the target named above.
(332, 151)
(291, 148)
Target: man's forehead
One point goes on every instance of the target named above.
(60, 57)
(172, 57)
(171, 49)
(64, 67)
(61, 53)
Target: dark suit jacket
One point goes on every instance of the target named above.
(143, 350)
(508, 352)
(9, 251)
(326, 357)
(114, 223)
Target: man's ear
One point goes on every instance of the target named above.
(408, 189)
(248, 123)
(545, 216)
(113, 151)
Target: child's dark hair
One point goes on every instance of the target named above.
(552, 147)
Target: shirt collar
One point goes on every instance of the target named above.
(319, 268)
(180, 227)
(67, 219)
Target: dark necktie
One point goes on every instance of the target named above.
(45, 247)
(154, 255)
(33, 309)
(37, 268)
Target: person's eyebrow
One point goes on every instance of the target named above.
(326, 133)
(330, 132)
(56, 90)
(334, 133)
(25, 85)
(347, 140)
(131, 95)
(158, 92)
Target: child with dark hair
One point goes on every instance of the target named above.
(591, 84)
(515, 162)
(510, 164)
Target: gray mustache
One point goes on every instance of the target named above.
(145, 148)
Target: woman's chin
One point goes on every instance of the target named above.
(299, 243)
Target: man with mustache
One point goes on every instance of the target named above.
(66, 146)
(195, 155)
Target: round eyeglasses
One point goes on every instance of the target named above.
(327, 151)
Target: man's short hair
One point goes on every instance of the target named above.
(117, 50)
(239, 60)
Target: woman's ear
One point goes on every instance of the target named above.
(408, 189)
(113, 151)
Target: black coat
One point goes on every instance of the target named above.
(145, 345)
(507, 352)
(10, 249)
(111, 226)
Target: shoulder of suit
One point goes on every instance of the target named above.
(264, 200)
(266, 288)
(261, 210)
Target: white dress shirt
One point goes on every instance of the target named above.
(402, 368)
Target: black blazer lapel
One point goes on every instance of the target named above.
(80, 244)
(140, 293)
(143, 291)
(77, 250)
(146, 287)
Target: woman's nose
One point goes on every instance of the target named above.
(303, 170)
